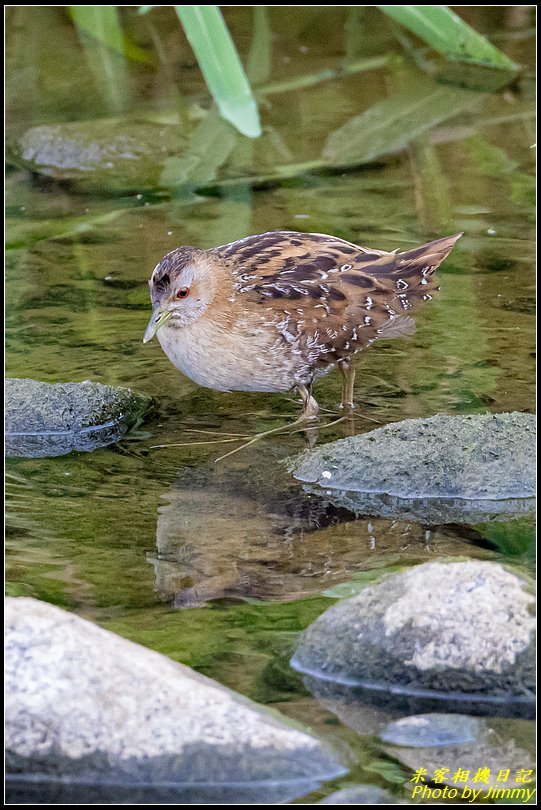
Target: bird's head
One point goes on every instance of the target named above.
(182, 286)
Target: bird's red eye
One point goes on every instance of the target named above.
(183, 292)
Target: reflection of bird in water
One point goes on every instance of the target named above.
(241, 532)
(276, 311)
(244, 532)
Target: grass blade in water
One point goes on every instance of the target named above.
(447, 33)
(259, 60)
(101, 23)
(392, 124)
(221, 66)
(209, 146)
(101, 35)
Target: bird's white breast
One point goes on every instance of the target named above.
(217, 357)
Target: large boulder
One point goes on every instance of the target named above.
(44, 419)
(86, 706)
(456, 636)
(441, 469)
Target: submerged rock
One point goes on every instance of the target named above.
(362, 794)
(426, 741)
(44, 419)
(436, 511)
(19, 791)
(84, 705)
(430, 730)
(108, 154)
(453, 636)
(491, 763)
(364, 717)
(441, 469)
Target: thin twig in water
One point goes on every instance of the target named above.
(215, 432)
(303, 425)
(191, 444)
(364, 416)
(287, 429)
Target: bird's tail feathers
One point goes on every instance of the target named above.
(424, 260)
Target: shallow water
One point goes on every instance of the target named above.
(132, 536)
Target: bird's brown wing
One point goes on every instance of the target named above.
(328, 297)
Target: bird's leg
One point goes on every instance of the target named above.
(348, 381)
(309, 413)
(310, 408)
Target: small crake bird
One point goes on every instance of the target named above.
(276, 311)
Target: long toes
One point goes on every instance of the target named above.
(310, 410)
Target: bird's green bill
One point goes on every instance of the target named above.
(157, 319)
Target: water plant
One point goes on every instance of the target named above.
(437, 26)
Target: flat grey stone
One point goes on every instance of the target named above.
(44, 419)
(441, 469)
(451, 633)
(86, 706)
(117, 155)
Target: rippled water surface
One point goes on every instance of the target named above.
(220, 565)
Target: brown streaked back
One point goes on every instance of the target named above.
(329, 297)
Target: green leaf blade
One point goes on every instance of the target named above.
(393, 123)
(221, 66)
(447, 33)
(101, 23)
(100, 32)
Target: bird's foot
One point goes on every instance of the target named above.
(310, 408)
